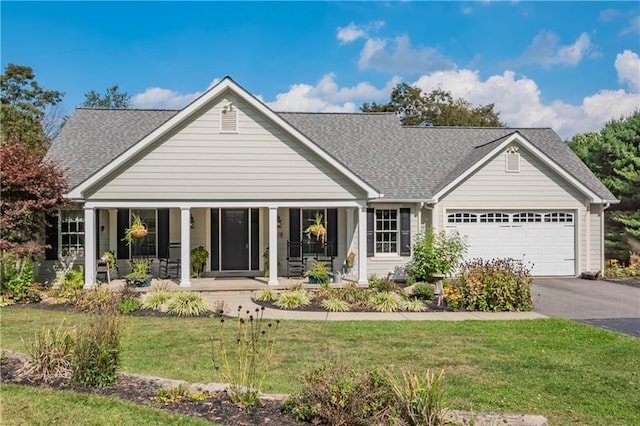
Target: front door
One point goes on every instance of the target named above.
(235, 239)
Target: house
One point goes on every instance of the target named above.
(228, 173)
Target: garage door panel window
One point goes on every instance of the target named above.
(527, 217)
(558, 217)
(462, 218)
(494, 218)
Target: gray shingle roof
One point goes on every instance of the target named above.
(404, 163)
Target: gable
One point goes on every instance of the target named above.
(535, 185)
(198, 161)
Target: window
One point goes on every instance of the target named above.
(308, 216)
(462, 218)
(558, 217)
(494, 218)
(72, 233)
(527, 217)
(386, 231)
(147, 245)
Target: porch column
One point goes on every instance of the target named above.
(185, 247)
(89, 247)
(273, 246)
(362, 246)
(351, 229)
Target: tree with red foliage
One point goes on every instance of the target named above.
(31, 188)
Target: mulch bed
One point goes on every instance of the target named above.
(217, 408)
(316, 307)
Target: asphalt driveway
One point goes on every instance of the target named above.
(600, 303)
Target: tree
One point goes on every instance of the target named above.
(23, 103)
(112, 98)
(437, 108)
(31, 188)
(614, 157)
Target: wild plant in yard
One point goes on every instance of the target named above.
(49, 354)
(436, 253)
(294, 299)
(267, 295)
(245, 361)
(186, 304)
(335, 305)
(98, 300)
(127, 306)
(423, 291)
(420, 398)
(155, 300)
(385, 301)
(96, 352)
(415, 306)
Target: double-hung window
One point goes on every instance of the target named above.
(72, 233)
(386, 231)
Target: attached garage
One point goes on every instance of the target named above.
(545, 241)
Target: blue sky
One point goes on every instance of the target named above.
(567, 65)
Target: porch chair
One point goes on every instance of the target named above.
(172, 263)
(102, 267)
(296, 262)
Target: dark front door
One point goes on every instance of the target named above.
(235, 239)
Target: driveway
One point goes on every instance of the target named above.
(600, 303)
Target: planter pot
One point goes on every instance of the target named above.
(140, 283)
(139, 233)
(314, 280)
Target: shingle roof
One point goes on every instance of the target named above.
(404, 163)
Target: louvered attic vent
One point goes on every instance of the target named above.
(512, 160)
(229, 119)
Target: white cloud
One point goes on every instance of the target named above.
(608, 15)
(628, 67)
(157, 97)
(546, 51)
(353, 32)
(518, 99)
(327, 96)
(398, 55)
(633, 27)
(467, 10)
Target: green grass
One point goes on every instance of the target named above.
(22, 405)
(572, 373)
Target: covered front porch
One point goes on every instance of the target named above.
(243, 239)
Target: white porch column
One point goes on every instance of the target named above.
(89, 247)
(351, 229)
(362, 247)
(273, 246)
(185, 247)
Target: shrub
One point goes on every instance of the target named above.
(16, 278)
(424, 291)
(415, 306)
(436, 253)
(246, 363)
(49, 354)
(155, 300)
(96, 352)
(335, 305)
(186, 304)
(267, 295)
(293, 299)
(382, 284)
(493, 285)
(98, 300)
(385, 302)
(335, 394)
(420, 398)
(126, 306)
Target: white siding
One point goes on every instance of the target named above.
(198, 162)
(596, 237)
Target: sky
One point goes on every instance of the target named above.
(571, 66)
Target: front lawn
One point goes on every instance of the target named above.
(572, 373)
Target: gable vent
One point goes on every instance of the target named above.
(512, 160)
(229, 119)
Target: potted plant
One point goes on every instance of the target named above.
(139, 275)
(108, 257)
(317, 229)
(199, 256)
(318, 273)
(136, 231)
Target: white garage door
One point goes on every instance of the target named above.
(545, 242)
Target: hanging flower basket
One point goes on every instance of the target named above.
(139, 233)
(317, 229)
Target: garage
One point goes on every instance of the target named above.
(544, 241)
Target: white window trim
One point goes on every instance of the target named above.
(60, 245)
(395, 253)
(511, 151)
